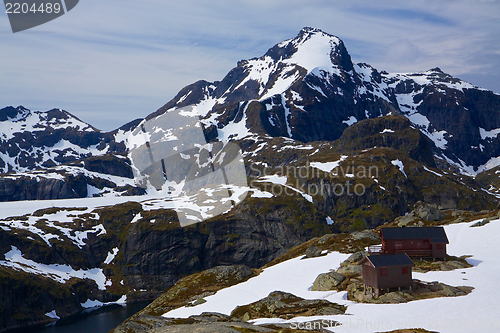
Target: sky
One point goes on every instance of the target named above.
(110, 62)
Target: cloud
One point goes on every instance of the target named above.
(109, 62)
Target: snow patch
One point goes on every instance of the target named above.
(52, 314)
(493, 134)
(60, 273)
(111, 256)
(328, 166)
(350, 121)
(387, 131)
(400, 165)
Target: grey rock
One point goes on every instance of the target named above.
(355, 257)
(284, 305)
(327, 281)
(324, 239)
(350, 270)
(313, 252)
(365, 234)
(456, 213)
(196, 302)
(428, 212)
(238, 272)
(457, 264)
(391, 298)
(481, 223)
(403, 221)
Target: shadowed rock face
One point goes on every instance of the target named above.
(69, 181)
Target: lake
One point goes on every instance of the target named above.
(99, 321)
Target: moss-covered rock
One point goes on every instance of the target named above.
(286, 306)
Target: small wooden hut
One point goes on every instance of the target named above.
(415, 242)
(387, 271)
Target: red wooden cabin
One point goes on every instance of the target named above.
(415, 242)
(387, 271)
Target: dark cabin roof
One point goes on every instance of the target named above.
(387, 260)
(434, 234)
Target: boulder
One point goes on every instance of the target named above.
(313, 252)
(366, 234)
(350, 270)
(355, 257)
(327, 281)
(284, 305)
(391, 298)
(427, 212)
(481, 223)
(405, 220)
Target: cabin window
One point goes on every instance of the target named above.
(440, 246)
(398, 245)
(404, 270)
(383, 271)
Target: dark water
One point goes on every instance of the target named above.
(98, 321)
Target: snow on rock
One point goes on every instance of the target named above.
(387, 131)
(328, 166)
(52, 314)
(489, 134)
(60, 273)
(261, 194)
(429, 170)
(90, 304)
(111, 256)
(136, 218)
(314, 49)
(282, 180)
(400, 165)
(492, 163)
(235, 130)
(350, 121)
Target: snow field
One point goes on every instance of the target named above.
(476, 312)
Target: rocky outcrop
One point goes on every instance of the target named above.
(420, 290)
(427, 212)
(313, 252)
(286, 306)
(211, 322)
(327, 281)
(400, 135)
(39, 140)
(25, 298)
(72, 180)
(188, 291)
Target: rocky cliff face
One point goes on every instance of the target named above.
(94, 176)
